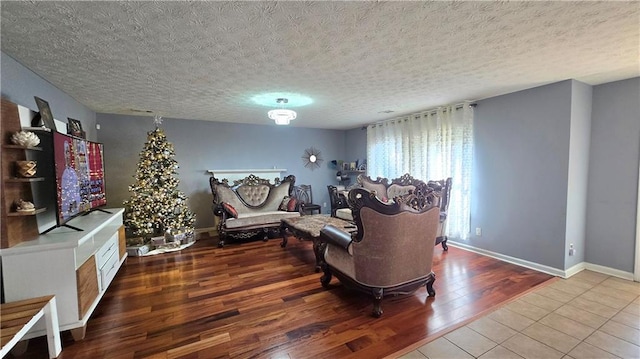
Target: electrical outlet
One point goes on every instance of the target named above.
(478, 231)
(572, 251)
(324, 204)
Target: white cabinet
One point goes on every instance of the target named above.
(75, 266)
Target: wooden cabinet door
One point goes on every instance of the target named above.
(122, 243)
(87, 279)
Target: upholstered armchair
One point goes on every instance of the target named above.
(441, 191)
(392, 251)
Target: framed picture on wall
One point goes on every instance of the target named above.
(345, 166)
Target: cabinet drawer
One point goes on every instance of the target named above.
(109, 270)
(107, 250)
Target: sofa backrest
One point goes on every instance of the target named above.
(251, 194)
(388, 191)
(394, 242)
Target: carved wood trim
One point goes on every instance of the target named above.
(379, 180)
(418, 201)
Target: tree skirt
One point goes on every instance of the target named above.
(166, 250)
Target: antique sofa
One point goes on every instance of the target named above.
(382, 189)
(251, 206)
(391, 252)
(438, 192)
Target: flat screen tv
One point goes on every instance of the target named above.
(79, 172)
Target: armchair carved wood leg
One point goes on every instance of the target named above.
(429, 285)
(377, 302)
(318, 249)
(326, 277)
(443, 241)
(222, 237)
(283, 233)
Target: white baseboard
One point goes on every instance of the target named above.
(575, 269)
(609, 271)
(543, 268)
(513, 260)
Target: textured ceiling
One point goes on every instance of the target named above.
(356, 60)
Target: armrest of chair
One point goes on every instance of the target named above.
(336, 236)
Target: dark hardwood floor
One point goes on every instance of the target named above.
(259, 300)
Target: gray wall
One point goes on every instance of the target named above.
(519, 184)
(613, 175)
(529, 194)
(20, 85)
(356, 144)
(579, 141)
(203, 145)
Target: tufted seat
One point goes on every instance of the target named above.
(254, 195)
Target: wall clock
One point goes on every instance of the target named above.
(311, 158)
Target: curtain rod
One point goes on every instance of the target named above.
(415, 115)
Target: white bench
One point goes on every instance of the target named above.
(16, 318)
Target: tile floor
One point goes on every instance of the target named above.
(589, 315)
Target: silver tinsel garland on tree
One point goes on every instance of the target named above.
(156, 206)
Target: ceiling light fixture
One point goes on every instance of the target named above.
(282, 116)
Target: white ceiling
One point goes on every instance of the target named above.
(356, 60)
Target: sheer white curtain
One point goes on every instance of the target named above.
(434, 144)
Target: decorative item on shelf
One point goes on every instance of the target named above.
(311, 158)
(44, 117)
(25, 138)
(353, 166)
(341, 177)
(74, 128)
(345, 166)
(26, 168)
(23, 206)
(362, 166)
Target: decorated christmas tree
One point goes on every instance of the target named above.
(156, 206)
